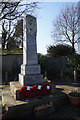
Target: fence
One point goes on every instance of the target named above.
(11, 65)
(56, 68)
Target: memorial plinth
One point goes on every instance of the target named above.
(30, 69)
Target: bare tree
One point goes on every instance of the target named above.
(79, 26)
(18, 34)
(66, 26)
(7, 31)
(13, 10)
(10, 13)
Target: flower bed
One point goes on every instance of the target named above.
(4, 112)
(44, 109)
(36, 91)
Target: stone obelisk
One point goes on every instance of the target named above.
(30, 69)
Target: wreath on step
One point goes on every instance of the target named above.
(35, 91)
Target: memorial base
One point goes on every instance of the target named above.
(30, 79)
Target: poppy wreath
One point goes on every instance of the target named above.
(25, 93)
(35, 91)
(46, 89)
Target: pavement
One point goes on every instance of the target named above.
(67, 88)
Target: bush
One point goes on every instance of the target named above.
(73, 63)
(42, 60)
(59, 50)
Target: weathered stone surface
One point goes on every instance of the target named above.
(30, 70)
(29, 41)
(31, 79)
(14, 88)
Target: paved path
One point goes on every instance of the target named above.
(67, 88)
(8, 98)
